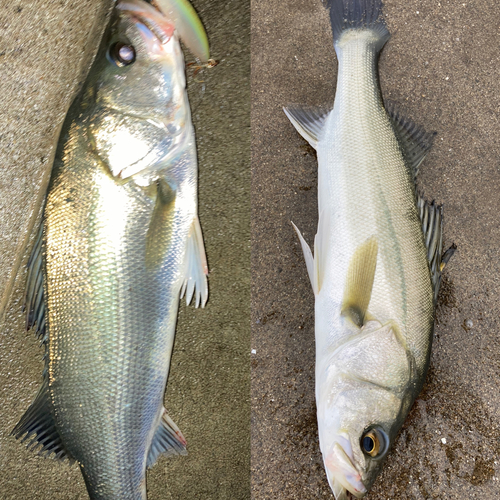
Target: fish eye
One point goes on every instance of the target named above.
(122, 54)
(374, 442)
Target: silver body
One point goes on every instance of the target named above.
(374, 307)
(121, 211)
(365, 189)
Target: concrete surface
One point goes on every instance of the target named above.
(442, 64)
(45, 50)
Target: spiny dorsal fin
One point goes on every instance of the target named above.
(34, 298)
(359, 284)
(168, 440)
(414, 140)
(308, 121)
(431, 216)
(38, 426)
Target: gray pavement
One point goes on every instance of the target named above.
(45, 51)
(442, 66)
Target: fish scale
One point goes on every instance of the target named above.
(120, 239)
(377, 261)
(121, 337)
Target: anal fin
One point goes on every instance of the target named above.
(308, 122)
(196, 268)
(168, 440)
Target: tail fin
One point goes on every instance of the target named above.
(358, 15)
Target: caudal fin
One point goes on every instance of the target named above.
(346, 15)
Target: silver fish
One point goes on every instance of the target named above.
(377, 260)
(120, 241)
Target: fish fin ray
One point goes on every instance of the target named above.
(359, 283)
(158, 235)
(34, 295)
(308, 122)
(196, 268)
(431, 216)
(37, 426)
(414, 140)
(167, 440)
(308, 257)
(358, 15)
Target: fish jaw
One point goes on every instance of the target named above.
(144, 120)
(342, 474)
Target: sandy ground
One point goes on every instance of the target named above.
(45, 51)
(442, 66)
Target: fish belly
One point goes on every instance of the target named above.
(366, 190)
(111, 318)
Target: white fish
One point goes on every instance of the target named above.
(377, 261)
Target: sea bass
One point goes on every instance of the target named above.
(377, 259)
(119, 242)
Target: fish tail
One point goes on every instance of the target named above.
(358, 15)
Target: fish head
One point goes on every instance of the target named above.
(140, 68)
(362, 400)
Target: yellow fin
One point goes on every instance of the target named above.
(359, 284)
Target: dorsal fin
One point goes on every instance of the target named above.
(359, 281)
(308, 257)
(34, 298)
(431, 216)
(38, 426)
(414, 140)
(308, 121)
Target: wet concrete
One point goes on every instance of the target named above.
(442, 66)
(45, 50)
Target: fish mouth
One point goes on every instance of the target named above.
(343, 475)
(161, 27)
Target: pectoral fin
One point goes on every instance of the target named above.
(359, 284)
(160, 228)
(196, 268)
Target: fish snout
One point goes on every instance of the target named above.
(341, 470)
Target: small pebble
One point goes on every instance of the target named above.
(469, 323)
(443, 440)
